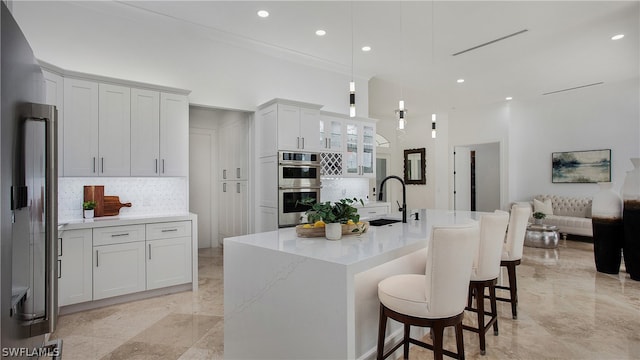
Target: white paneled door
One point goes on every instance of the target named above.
(202, 181)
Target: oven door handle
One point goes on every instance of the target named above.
(297, 164)
(299, 188)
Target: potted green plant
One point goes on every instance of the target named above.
(538, 216)
(333, 215)
(88, 208)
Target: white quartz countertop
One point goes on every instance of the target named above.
(105, 221)
(378, 245)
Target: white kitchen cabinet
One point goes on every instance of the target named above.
(233, 209)
(145, 132)
(234, 145)
(114, 130)
(96, 130)
(360, 151)
(118, 269)
(54, 95)
(331, 131)
(168, 254)
(374, 209)
(174, 135)
(159, 134)
(75, 267)
(298, 128)
(119, 260)
(80, 128)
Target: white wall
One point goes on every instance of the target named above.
(598, 117)
(77, 37)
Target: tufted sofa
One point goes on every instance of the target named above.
(572, 215)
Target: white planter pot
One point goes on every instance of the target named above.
(88, 214)
(606, 203)
(333, 231)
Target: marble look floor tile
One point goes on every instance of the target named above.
(180, 330)
(79, 347)
(135, 350)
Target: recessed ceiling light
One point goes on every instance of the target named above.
(617, 37)
(263, 13)
(366, 48)
(321, 32)
(460, 81)
(508, 98)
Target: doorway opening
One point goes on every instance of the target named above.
(476, 177)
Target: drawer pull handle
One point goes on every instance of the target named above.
(372, 212)
(169, 230)
(117, 235)
(97, 258)
(59, 269)
(149, 251)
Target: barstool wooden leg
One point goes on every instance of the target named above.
(438, 331)
(494, 307)
(407, 331)
(479, 292)
(382, 329)
(513, 289)
(459, 341)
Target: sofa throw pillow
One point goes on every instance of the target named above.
(543, 206)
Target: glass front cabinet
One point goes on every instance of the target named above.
(360, 152)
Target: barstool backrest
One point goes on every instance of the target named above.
(515, 233)
(493, 228)
(450, 255)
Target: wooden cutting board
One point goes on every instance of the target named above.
(95, 193)
(319, 231)
(112, 205)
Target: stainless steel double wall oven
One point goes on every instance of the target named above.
(298, 179)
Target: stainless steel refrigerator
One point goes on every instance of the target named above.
(28, 201)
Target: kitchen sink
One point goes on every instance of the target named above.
(383, 222)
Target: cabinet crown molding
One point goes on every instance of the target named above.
(105, 79)
(290, 102)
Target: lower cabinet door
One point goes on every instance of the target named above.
(168, 262)
(74, 267)
(118, 269)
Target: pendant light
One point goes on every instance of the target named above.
(401, 111)
(352, 83)
(433, 126)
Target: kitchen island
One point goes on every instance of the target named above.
(299, 298)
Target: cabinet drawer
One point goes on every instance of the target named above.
(118, 234)
(371, 211)
(168, 230)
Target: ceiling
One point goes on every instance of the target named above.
(566, 45)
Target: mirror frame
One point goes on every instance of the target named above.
(423, 167)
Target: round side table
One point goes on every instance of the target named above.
(541, 236)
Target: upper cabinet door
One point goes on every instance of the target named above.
(54, 95)
(145, 133)
(332, 131)
(368, 150)
(289, 127)
(80, 128)
(114, 129)
(310, 134)
(174, 135)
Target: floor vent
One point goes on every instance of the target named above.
(491, 42)
(574, 88)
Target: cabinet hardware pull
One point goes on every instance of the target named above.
(329, 141)
(163, 166)
(97, 258)
(149, 251)
(169, 230)
(94, 164)
(59, 269)
(224, 174)
(372, 212)
(224, 187)
(117, 235)
(156, 166)
(238, 173)
(238, 188)
(303, 143)
(59, 246)
(102, 165)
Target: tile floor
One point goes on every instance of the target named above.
(567, 311)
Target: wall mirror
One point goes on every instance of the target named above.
(415, 166)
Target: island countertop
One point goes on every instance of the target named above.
(275, 280)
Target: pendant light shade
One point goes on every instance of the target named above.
(352, 99)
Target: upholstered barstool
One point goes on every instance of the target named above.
(435, 299)
(512, 253)
(485, 271)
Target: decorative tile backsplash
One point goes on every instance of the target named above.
(334, 189)
(148, 196)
